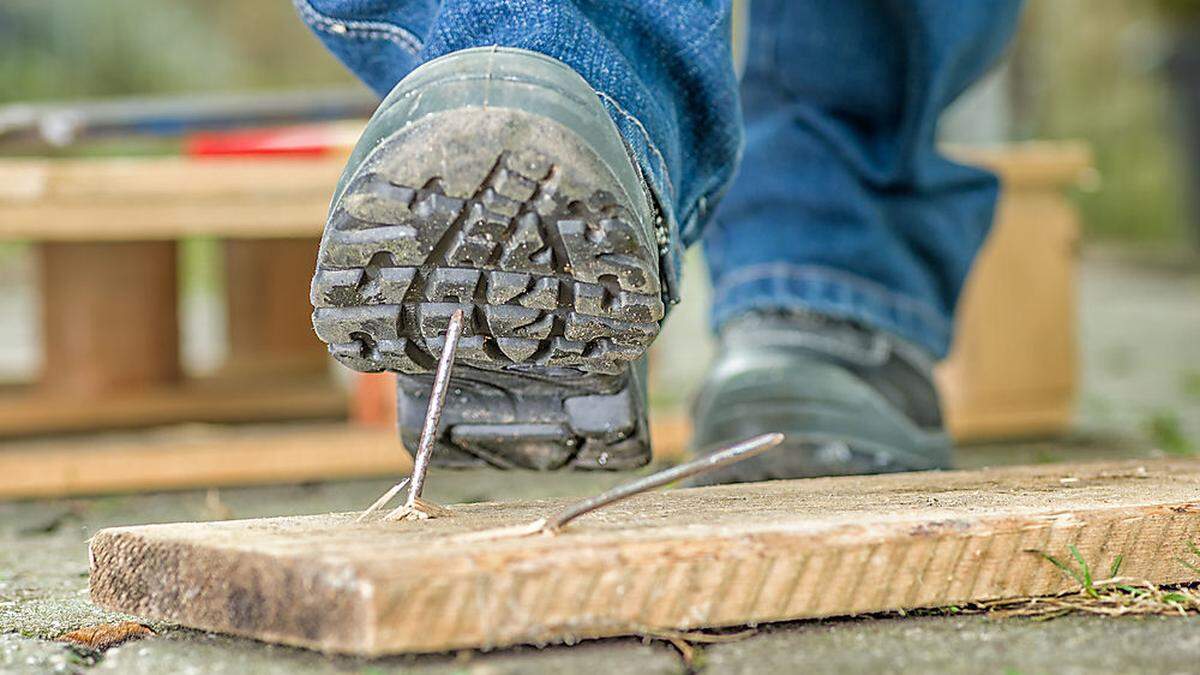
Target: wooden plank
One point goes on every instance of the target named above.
(683, 559)
(163, 198)
(163, 459)
(269, 316)
(1043, 165)
(25, 411)
(189, 458)
(301, 217)
(163, 179)
(108, 314)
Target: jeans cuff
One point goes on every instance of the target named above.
(834, 292)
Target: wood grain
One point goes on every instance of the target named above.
(682, 559)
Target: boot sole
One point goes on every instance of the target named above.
(509, 216)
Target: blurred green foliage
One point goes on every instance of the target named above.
(1095, 71)
(1179, 8)
(66, 49)
(1165, 431)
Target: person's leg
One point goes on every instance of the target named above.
(839, 253)
(662, 70)
(542, 196)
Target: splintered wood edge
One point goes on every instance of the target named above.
(589, 584)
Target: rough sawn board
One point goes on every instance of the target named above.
(680, 559)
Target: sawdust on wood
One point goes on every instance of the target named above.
(420, 510)
(105, 636)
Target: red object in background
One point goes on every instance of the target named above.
(311, 140)
(373, 401)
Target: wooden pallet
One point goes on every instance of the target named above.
(1012, 371)
(26, 411)
(197, 457)
(682, 559)
(106, 229)
(105, 233)
(204, 456)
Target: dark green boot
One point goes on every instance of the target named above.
(849, 399)
(493, 181)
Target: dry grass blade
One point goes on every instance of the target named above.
(683, 641)
(1116, 597)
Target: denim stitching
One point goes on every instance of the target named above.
(775, 270)
(370, 30)
(646, 135)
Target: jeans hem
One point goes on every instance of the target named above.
(345, 36)
(834, 292)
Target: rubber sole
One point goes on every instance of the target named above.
(509, 216)
(544, 280)
(520, 420)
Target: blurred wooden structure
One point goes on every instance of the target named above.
(106, 229)
(106, 232)
(197, 457)
(1012, 371)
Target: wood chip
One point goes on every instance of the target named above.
(105, 636)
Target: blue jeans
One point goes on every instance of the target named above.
(842, 204)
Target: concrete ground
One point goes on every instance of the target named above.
(43, 580)
(1140, 328)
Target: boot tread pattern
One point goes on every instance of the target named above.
(545, 280)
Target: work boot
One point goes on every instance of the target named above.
(492, 180)
(849, 399)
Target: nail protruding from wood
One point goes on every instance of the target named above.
(746, 449)
(733, 454)
(414, 507)
(437, 401)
